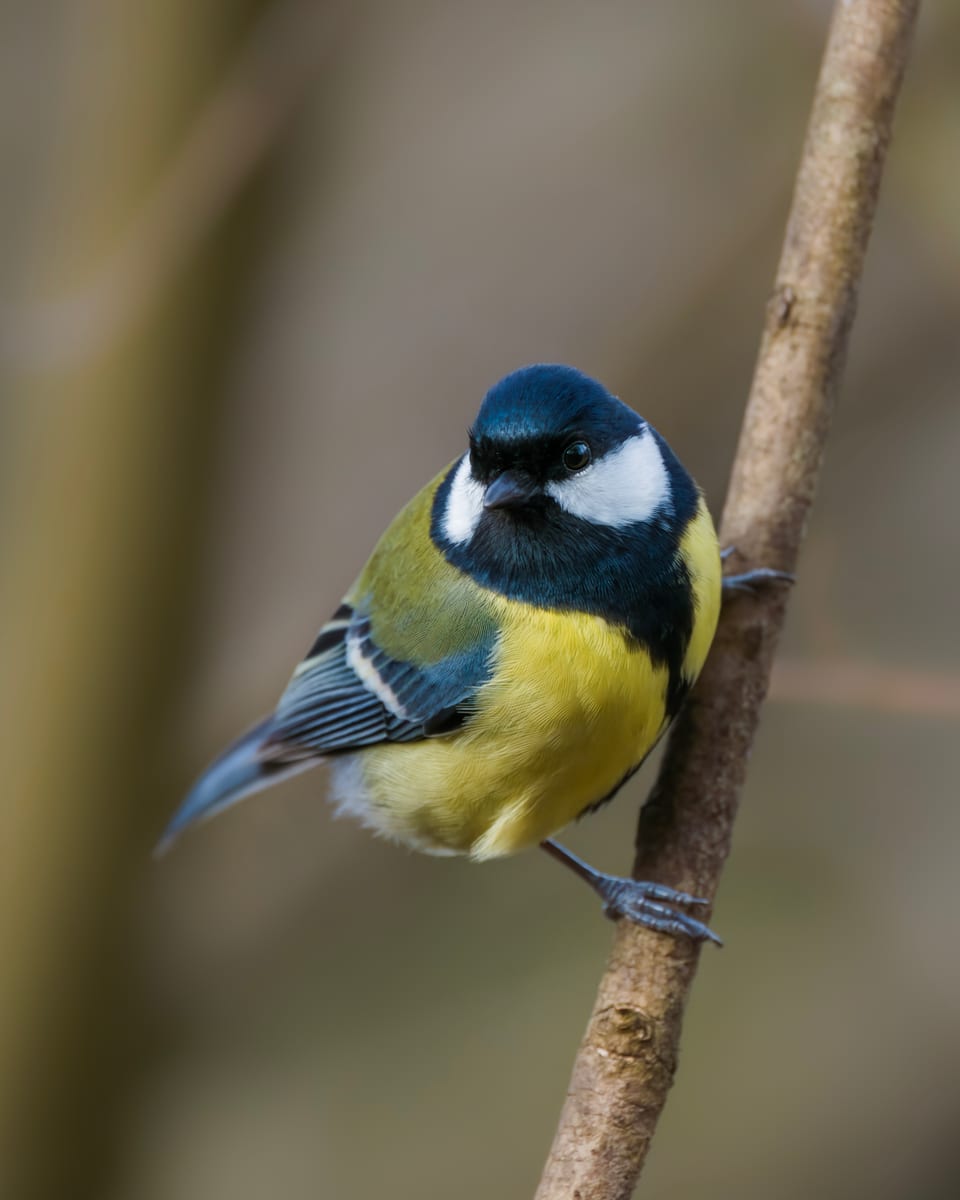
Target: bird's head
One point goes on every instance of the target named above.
(568, 500)
(552, 448)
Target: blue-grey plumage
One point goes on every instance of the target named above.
(239, 771)
(520, 638)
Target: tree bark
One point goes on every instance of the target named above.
(628, 1056)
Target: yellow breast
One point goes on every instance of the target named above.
(573, 706)
(571, 709)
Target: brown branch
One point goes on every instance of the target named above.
(627, 1060)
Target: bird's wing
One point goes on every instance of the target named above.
(401, 659)
(349, 693)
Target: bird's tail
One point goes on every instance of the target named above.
(239, 771)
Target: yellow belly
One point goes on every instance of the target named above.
(571, 709)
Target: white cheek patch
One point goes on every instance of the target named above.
(464, 505)
(623, 487)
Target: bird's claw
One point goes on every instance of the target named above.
(759, 577)
(751, 581)
(650, 904)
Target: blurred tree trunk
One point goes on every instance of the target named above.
(106, 494)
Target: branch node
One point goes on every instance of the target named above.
(783, 301)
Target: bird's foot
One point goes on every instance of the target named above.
(755, 580)
(649, 904)
(652, 905)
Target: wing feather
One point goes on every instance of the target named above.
(353, 694)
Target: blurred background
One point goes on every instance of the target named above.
(259, 261)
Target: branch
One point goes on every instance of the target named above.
(628, 1057)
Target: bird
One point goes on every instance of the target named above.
(521, 637)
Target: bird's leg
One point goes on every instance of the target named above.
(750, 581)
(647, 904)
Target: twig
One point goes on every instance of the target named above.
(627, 1060)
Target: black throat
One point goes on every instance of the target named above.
(633, 576)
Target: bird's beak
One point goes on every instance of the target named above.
(509, 490)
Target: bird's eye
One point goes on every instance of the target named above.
(577, 456)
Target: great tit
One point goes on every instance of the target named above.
(519, 640)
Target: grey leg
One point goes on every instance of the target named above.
(649, 904)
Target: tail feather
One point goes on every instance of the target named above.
(237, 772)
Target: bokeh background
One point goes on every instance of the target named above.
(259, 261)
